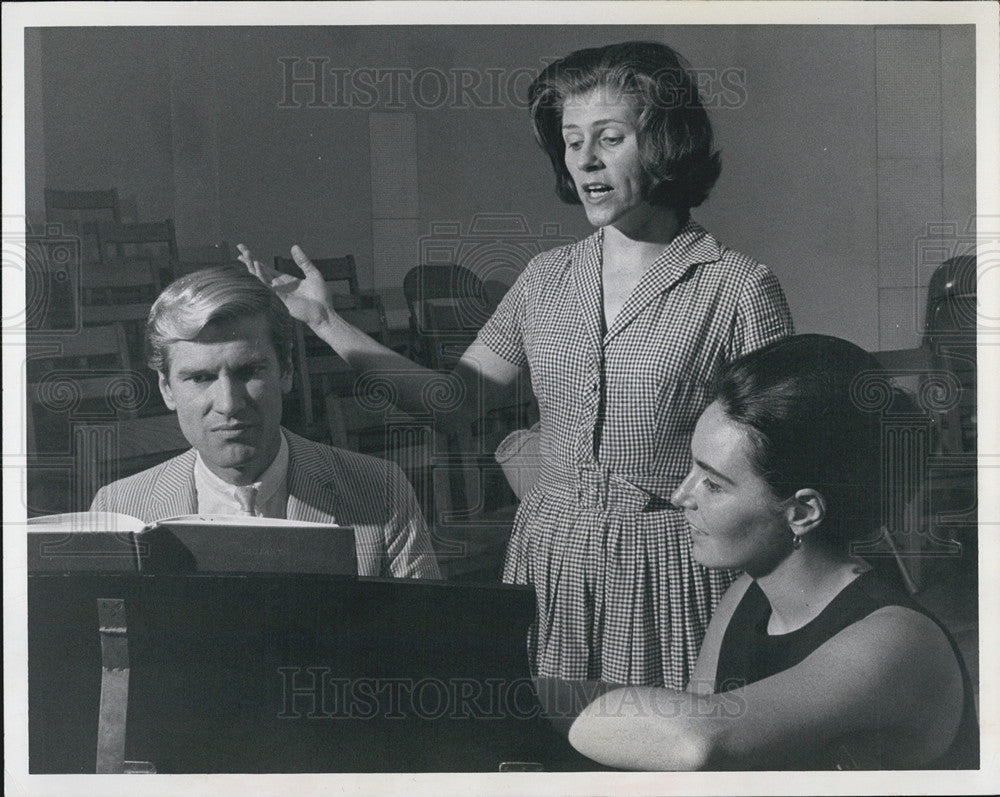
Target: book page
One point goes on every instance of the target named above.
(235, 520)
(85, 521)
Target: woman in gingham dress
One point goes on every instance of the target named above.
(622, 332)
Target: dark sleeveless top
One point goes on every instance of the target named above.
(748, 653)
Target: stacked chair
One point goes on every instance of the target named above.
(94, 412)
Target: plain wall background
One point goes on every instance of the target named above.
(846, 142)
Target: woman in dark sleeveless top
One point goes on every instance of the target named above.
(810, 661)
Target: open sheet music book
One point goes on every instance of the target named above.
(101, 541)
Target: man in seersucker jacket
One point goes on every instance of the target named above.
(221, 343)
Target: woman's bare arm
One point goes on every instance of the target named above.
(480, 380)
(892, 673)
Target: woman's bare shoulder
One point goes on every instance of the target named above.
(731, 599)
(902, 633)
(703, 677)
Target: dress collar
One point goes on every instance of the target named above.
(691, 246)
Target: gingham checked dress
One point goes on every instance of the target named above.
(619, 597)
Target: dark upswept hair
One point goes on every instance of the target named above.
(219, 293)
(674, 132)
(805, 404)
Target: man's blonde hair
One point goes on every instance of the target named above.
(221, 293)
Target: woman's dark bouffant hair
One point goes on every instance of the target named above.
(811, 407)
(674, 133)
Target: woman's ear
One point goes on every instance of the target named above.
(805, 511)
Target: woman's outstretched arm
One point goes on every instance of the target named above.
(481, 378)
(891, 676)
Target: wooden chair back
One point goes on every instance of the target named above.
(194, 258)
(320, 372)
(136, 261)
(340, 273)
(448, 305)
(81, 367)
(81, 213)
(53, 254)
(77, 389)
(950, 335)
(82, 206)
(434, 462)
(85, 429)
(151, 242)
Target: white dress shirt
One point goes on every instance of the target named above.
(218, 497)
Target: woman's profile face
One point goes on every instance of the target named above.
(736, 522)
(600, 131)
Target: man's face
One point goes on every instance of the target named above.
(226, 387)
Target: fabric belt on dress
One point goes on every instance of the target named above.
(602, 489)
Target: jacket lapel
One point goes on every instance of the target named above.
(174, 494)
(312, 492)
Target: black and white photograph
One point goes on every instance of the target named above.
(532, 397)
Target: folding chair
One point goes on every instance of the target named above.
(448, 305)
(319, 370)
(84, 427)
(83, 212)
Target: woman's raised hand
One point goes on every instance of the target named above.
(306, 299)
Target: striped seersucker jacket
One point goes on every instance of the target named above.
(325, 485)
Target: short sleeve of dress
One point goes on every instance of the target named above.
(504, 332)
(762, 313)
